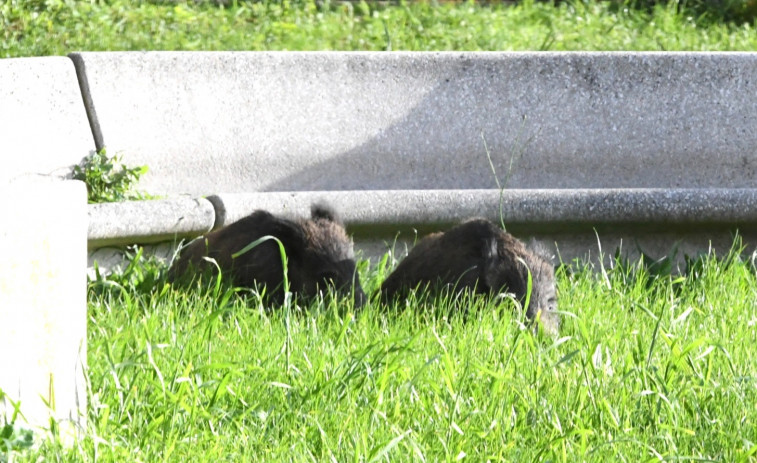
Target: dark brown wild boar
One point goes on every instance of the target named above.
(477, 255)
(319, 254)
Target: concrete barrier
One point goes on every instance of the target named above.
(406, 141)
(43, 305)
(43, 125)
(148, 221)
(158, 225)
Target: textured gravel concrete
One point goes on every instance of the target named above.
(43, 125)
(43, 301)
(244, 122)
(582, 208)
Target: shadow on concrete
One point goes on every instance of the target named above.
(554, 121)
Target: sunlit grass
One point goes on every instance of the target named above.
(646, 368)
(58, 27)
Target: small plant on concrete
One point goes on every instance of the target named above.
(107, 179)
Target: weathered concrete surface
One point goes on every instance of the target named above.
(566, 210)
(242, 121)
(148, 221)
(43, 125)
(43, 301)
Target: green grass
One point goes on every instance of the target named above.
(646, 368)
(57, 27)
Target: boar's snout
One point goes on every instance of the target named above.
(542, 304)
(349, 286)
(340, 276)
(509, 266)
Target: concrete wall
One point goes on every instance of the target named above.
(422, 131)
(578, 140)
(576, 222)
(243, 122)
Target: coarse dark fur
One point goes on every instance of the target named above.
(319, 254)
(477, 255)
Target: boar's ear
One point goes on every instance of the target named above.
(489, 250)
(324, 212)
(491, 274)
(541, 250)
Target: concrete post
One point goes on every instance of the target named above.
(43, 310)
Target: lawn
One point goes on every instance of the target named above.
(647, 367)
(57, 27)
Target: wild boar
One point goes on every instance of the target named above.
(319, 254)
(477, 255)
